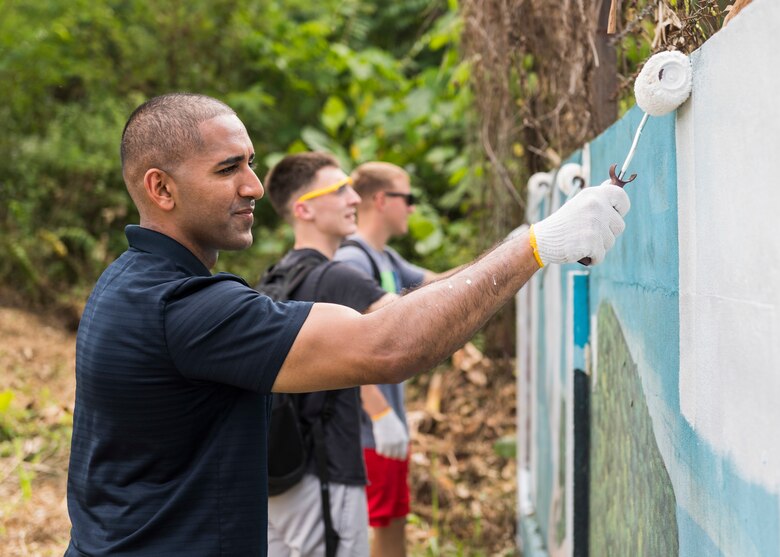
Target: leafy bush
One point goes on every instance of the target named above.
(362, 79)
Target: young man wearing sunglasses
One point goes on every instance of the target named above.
(386, 203)
(312, 194)
(175, 366)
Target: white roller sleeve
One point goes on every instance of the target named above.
(664, 83)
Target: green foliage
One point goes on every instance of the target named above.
(362, 79)
(23, 441)
(444, 544)
(506, 447)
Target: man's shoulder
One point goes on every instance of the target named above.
(343, 283)
(356, 248)
(295, 256)
(356, 252)
(289, 277)
(353, 248)
(309, 261)
(213, 288)
(126, 290)
(139, 275)
(393, 255)
(341, 272)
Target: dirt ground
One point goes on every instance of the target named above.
(36, 365)
(463, 492)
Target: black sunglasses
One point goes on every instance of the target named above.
(409, 198)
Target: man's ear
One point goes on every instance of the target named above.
(159, 188)
(302, 211)
(380, 199)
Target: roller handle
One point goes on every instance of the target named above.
(617, 181)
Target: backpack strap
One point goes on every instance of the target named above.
(281, 281)
(349, 242)
(321, 459)
(316, 275)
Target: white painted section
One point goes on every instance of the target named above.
(527, 408)
(728, 146)
(534, 409)
(553, 325)
(524, 401)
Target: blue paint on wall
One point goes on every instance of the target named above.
(581, 321)
(720, 495)
(696, 541)
(719, 511)
(640, 278)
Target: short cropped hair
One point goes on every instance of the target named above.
(371, 177)
(163, 132)
(292, 174)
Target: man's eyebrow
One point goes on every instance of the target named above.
(231, 160)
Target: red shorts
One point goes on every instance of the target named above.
(387, 490)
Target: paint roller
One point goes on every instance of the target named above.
(663, 85)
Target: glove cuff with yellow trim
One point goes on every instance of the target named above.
(535, 246)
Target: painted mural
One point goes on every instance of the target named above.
(676, 336)
(632, 501)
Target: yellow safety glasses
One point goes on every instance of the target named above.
(326, 190)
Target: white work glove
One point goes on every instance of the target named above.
(586, 226)
(390, 437)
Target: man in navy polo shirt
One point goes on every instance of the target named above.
(175, 366)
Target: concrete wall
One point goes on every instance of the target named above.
(672, 447)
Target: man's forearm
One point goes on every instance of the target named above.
(431, 276)
(425, 326)
(372, 400)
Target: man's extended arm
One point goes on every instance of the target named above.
(337, 347)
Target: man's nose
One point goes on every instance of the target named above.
(354, 198)
(253, 187)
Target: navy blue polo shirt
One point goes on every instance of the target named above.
(174, 368)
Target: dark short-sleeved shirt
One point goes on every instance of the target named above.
(395, 275)
(174, 368)
(338, 283)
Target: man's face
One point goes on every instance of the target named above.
(216, 189)
(397, 211)
(334, 213)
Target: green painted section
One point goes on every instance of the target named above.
(632, 502)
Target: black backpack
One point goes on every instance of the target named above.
(282, 279)
(289, 444)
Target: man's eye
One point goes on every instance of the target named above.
(228, 170)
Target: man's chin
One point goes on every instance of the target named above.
(239, 243)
